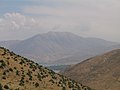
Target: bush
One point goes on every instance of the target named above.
(11, 69)
(17, 72)
(36, 84)
(21, 82)
(3, 77)
(51, 81)
(63, 88)
(4, 73)
(6, 87)
(30, 77)
(2, 64)
(39, 77)
(1, 87)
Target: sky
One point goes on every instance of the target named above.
(21, 19)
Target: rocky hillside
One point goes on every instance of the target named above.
(19, 73)
(101, 72)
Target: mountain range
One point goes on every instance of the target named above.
(101, 72)
(59, 47)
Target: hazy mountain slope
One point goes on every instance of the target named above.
(49, 46)
(100, 72)
(85, 54)
(19, 73)
(115, 46)
(10, 44)
(52, 47)
(79, 56)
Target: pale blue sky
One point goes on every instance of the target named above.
(20, 19)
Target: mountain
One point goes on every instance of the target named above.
(59, 47)
(101, 72)
(19, 73)
(10, 44)
(115, 46)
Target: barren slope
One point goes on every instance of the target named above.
(101, 72)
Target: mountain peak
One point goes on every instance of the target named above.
(53, 47)
(53, 32)
(56, 35)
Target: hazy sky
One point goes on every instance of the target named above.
(20, 19)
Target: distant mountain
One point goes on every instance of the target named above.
(10, 44)
(115, 46)
(19, 73)
(59, 47)
(100, 72)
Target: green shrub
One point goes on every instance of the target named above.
(3, 77)
(4, 73)
(63, 88)
(30, 77)
(11, 69)
(1, 87)
(2, 64)
(17, 72)
(21, 82)
(51, 81)
(36, 84)
(6, 87)
(39, 77)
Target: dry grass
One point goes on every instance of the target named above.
(19, 73)
(101, 72)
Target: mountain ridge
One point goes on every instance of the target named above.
(100, 72)
(53, 46)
